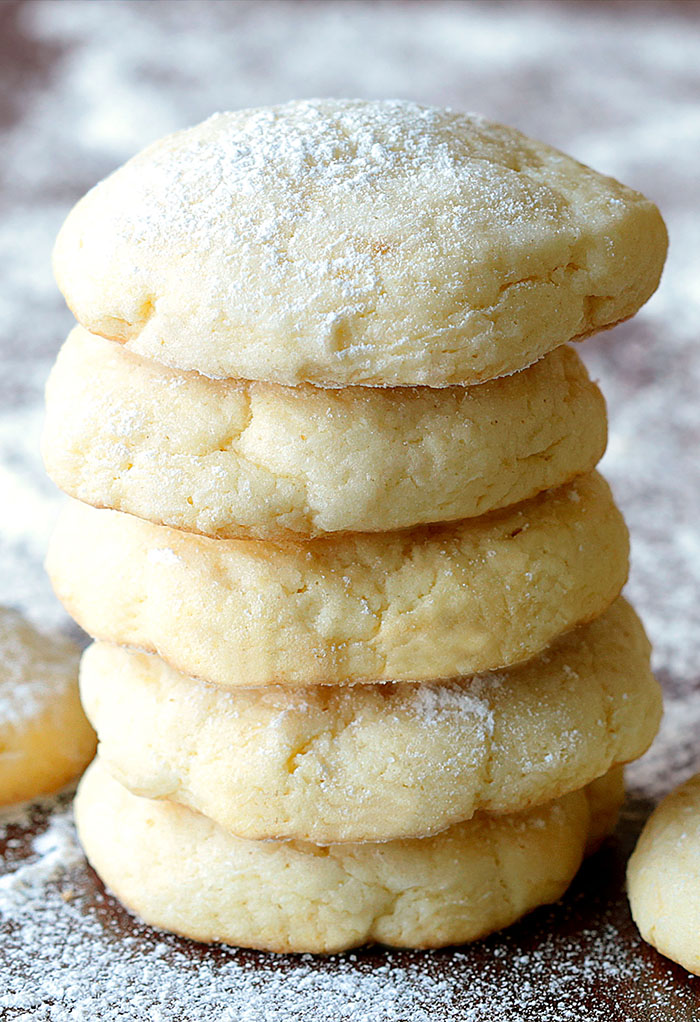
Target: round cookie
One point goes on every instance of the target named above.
(663, 877)
(45, 738)
(342, 242)
(179, 871)
(436, 602)
(377, 762)
(229, 458)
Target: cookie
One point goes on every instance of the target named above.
(230, 459)
(428, 603)
(377, 762)
(663, 877)
(45, 738)
(181, 872)
(341, 242)
(605, 797)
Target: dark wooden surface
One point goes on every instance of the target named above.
(581, 959)
(83, 85)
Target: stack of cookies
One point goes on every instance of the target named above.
(362, 671)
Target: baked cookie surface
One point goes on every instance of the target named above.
(342, 242)
(663, 877)
(437, 602)
(228, 458)
(377, 762)
(179, 871)
(45, 738)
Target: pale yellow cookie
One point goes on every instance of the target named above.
(45, 738)
(227, 459)
(179, 871)
(663, 877)
(377, 762)
(355, 242)
(436, 602)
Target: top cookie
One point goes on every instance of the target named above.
(342, 242)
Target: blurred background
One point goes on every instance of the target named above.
(86, 83)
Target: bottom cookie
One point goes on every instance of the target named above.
(181, 872)
(663, 877)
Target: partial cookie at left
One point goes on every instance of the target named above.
(45, 738)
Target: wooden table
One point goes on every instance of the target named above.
(581, 959)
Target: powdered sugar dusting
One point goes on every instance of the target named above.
(70, 949)
(162, 555)
(273, 157)
(54, 851)
(303, 199)
(674, 755)
(438, 702)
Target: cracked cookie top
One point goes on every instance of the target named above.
(342, 242)
(415, 605)
(330, 763)
(227, 458)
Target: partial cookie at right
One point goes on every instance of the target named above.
(663, 877)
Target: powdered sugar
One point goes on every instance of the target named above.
(438, 702)
(674, 755)
(300, 217)
(55, 851)
(162, 555)
(273, 157)
(70, 951)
